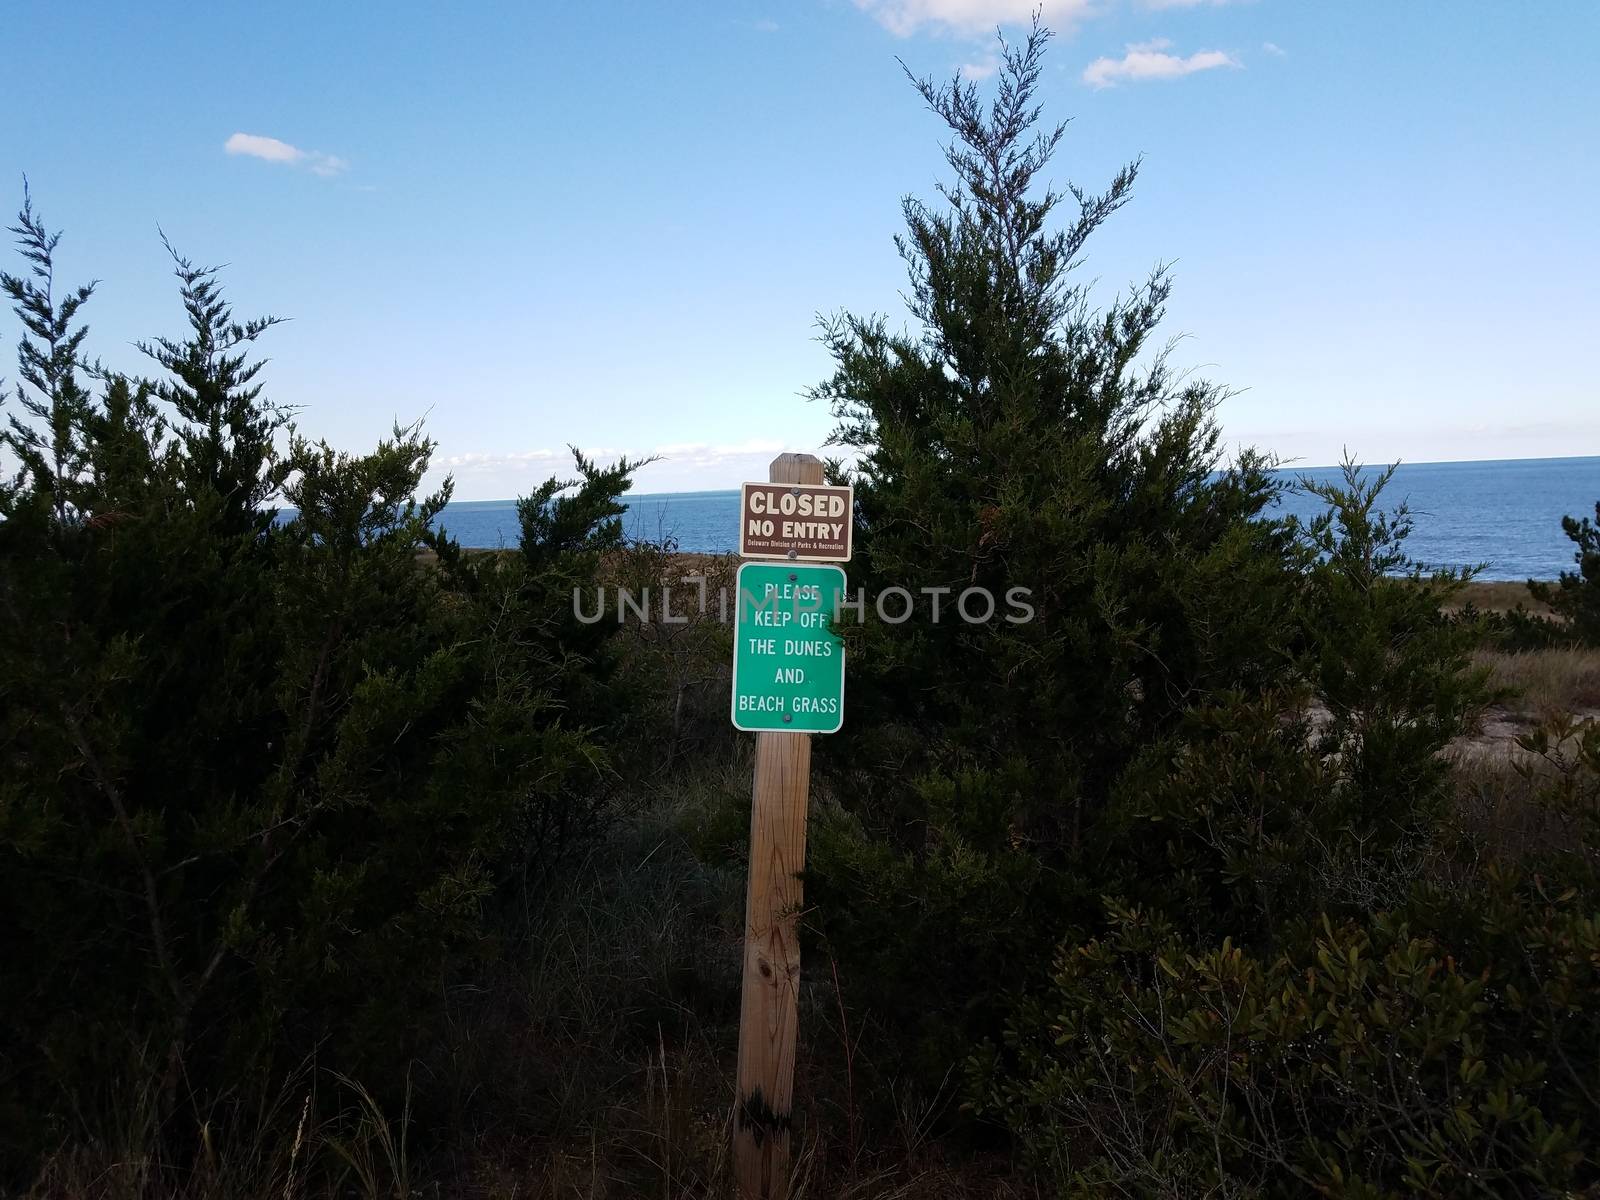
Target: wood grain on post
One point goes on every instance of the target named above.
(769, 1005)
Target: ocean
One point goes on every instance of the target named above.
(1505, 513)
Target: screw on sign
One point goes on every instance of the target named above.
(788, 683)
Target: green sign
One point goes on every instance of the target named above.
(788, 664)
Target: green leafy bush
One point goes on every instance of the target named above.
(1326, 791)
(1391, 1016)
(1368, 1058)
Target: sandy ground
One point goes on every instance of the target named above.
(1496, 735)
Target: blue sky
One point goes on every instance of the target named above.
(614, 224)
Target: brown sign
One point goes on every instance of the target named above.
(802, 522)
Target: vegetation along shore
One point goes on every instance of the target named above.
(1261, 861)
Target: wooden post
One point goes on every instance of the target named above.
(769, 1004)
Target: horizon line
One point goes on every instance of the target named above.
(1287, 466)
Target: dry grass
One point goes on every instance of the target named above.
(657, 1015)
(1534, 801)
(1549, 683)
(601, 1067)
(1497, 595)
(1497, 807)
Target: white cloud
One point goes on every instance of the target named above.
(906, 17)
(1149, 60)
(1274, 49)
(481, 462)
(1185, 3)
(683, 454)
(268, 148)
(254, 145)
(705, 454)
(679, 466)
(981, 69)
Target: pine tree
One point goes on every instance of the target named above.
(226, 428)
(266, 781)
(50, 363)
(1576, 594)
(1017, 436)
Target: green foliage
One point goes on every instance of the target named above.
(1018, 437)
(1306, 983)
(1236, 726)
(1229, 823)
(271, 786)
(1373, 1057)
(49, 447)
(1392, 671)
(286, 791)
(224, 425)
(1563, 768)
(1323, 793)
(1576, 595)
(569, 527)
(557, 520)
(1516, 630)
